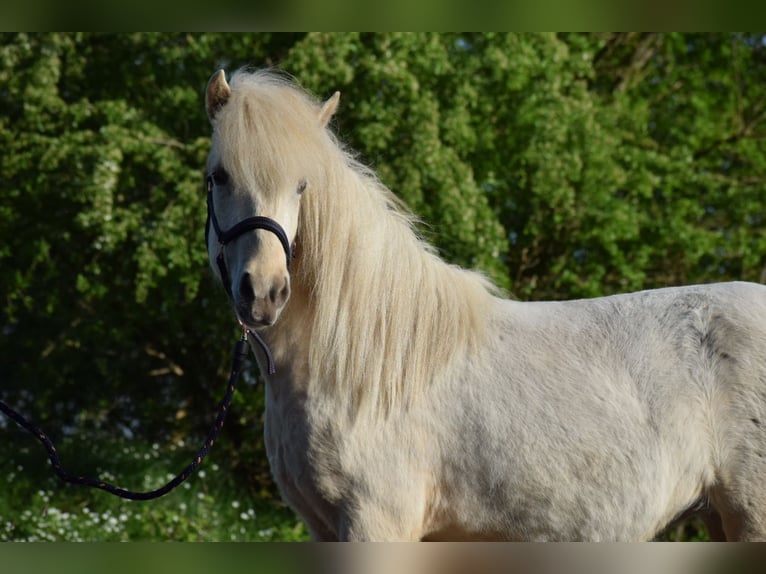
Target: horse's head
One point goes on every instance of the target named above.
(257, 173)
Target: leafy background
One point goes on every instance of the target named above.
(563, 165)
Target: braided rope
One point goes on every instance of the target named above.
(240, 353)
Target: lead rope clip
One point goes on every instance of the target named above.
(271, 369)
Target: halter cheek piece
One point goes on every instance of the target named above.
(229, 235)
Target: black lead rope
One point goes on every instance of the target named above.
(240, 353)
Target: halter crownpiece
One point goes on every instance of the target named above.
(225, 237)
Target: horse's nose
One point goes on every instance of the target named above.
(260, 301)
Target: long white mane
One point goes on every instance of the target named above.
(386, 314)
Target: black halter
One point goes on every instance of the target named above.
(229, 235)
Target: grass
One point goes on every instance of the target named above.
(212, 505)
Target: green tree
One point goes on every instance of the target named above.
(562, 165)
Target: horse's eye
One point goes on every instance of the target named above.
(302, 184)
(219, 176)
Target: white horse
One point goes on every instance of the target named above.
(411, 402)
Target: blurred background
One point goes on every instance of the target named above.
(562, 165)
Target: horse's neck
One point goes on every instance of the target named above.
(373, 313)
(292, 337)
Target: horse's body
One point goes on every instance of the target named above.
(410, 402)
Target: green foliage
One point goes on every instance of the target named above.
(563, 166)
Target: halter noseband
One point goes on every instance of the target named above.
(229, 235)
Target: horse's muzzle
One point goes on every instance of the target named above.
(259, 301)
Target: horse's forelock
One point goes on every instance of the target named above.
(268, 129)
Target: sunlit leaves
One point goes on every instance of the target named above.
(561, 165)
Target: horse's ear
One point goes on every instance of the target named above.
(216, 94)
(328, 109)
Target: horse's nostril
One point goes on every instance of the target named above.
(278, 295)
(246, 290)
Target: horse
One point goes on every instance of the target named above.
(409, 399)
